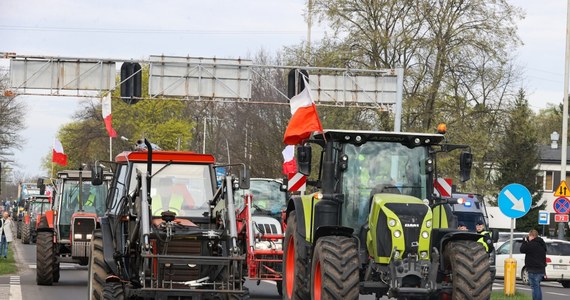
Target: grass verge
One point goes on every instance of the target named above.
(8, 266)
(500, 295)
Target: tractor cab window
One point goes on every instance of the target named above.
(268, 199)
(182, 188)
(380, 167)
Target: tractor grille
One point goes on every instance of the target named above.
(267, 228)
(411, 217)
(81, 232)
(179, 272)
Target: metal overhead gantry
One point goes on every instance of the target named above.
(205, 79)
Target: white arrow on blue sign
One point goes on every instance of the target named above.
(514, 200)
(543, 217)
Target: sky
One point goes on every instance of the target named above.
(130, 29)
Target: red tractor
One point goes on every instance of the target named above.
(64, 231)
(261, 228)
(35, 207)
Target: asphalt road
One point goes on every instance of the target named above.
(73, 282)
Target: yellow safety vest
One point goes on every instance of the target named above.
(482, 240)
(90, 200)
(174, 205)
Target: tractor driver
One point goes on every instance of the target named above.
(166, 198)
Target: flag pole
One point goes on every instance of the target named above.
(110, 149)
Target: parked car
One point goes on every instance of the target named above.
(505, 236)
(557, 260)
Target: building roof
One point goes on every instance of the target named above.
(553, 156)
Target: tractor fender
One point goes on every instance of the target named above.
(332, 231)
(296, 204)
(108, 249)
(45, 224)
(449, 235)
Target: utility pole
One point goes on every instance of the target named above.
(565, 111)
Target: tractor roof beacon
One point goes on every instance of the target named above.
(168, 232)
(375, 225)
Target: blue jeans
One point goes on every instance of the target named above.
(3, 247)
(534, 279)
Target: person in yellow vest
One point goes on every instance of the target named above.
(166, 198)
(480, 228)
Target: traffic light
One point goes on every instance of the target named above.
(131, 82)
(295, 83)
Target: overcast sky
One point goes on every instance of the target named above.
(214, 28)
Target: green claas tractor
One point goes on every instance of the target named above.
(375, 225)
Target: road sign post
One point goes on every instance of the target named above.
(514, 202)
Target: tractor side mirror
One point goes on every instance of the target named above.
(284, 185)
(40, 184)
(244, 179)
(495, 235)
(465, 163)
(97, 175)
(304, 160)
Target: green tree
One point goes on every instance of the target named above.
(518, 155)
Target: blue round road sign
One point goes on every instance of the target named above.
(561, 205)
(514, 200)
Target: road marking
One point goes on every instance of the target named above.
(557, 294)
(63, 266)
(15, 288)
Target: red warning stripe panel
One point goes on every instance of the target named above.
(297, 182)
(443, 187)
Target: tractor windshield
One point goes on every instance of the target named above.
(38, 207)
(268, 199)
(182, 188)
(380, 167)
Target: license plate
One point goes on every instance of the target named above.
(557, 267)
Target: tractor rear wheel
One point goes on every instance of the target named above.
(470, 273)
(97, 270)
(45, 258)
(295, 263)
(113, 291)
(18, 228)
(26, 238)
(55, 272)
(335, 269)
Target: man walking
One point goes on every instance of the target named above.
(6, 232)
(535, 261)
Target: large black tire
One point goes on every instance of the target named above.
(295, 263)
(279, 284)
(26, 233)
(113, 291)
(97, 270)
(470, 270)
(45, 258)
(335, 273)
(56, 272)
(18, 228)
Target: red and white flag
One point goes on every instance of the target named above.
(58, 156)
(305, 119)
(289, 163)
(106, 105)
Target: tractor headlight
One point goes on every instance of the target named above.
(396, 254)
(397, 234)
(88, 236)
(77, 236)
(392, 222)
(423, 255)
(425, 234)
(428, 223)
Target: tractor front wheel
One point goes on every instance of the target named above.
(45, 258)
(335, 269)
(469, 262)
(295, 263)
(113, 291)
(26, 238)
(98, 270)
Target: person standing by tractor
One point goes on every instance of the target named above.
(480, 228)
(7, 238)
(535, 261)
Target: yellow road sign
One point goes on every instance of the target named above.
(562, 190)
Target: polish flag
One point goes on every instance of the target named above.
(58, 156)
(305, 119)
(106, 104)
(289, 163)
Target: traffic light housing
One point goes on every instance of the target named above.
(131, 82)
